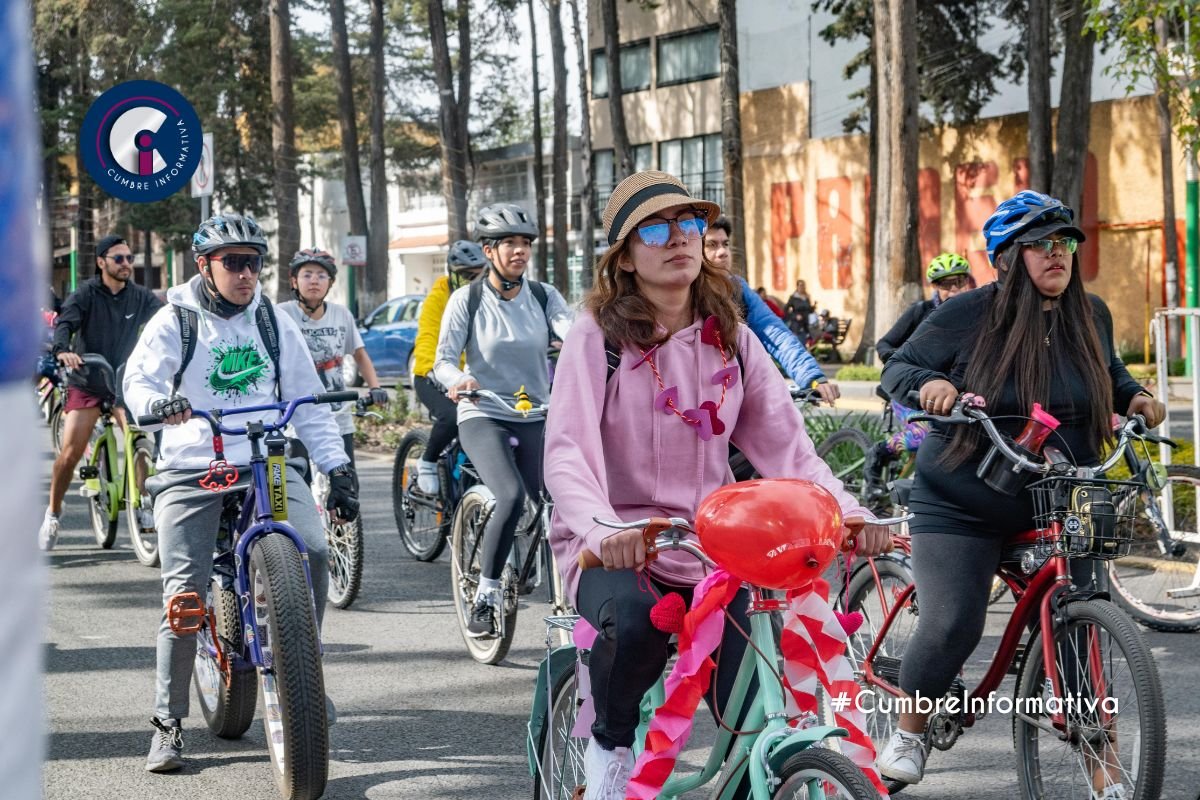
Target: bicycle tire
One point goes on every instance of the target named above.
(294, 692)
(104, 527)
(559, 753)
(57, 425)
(423, 531)
(861, 596)
(845, 452)
(345, 561)
(1140, 582)
(1151, 735)
(999, 591)
(227, 698)
(145, 543)
(834, 770)
(466, 528)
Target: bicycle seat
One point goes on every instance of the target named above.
(901, 489)
(881, 394)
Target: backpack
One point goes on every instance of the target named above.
(268, 329)
(475, 297)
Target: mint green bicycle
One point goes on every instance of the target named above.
(114, 474)
(783, 762)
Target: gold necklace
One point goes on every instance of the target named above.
(1046, 339)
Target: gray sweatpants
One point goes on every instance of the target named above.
(187, 516)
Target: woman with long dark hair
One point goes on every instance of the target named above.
(1033, 336)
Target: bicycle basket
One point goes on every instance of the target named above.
(1088, 514)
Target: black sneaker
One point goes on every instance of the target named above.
(482, 624)
(877, 459)
(166, 746)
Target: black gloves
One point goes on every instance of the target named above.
(343, 492)
(170, 407)
(379, 396)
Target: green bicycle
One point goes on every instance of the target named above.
(783, 762)
(114, 474)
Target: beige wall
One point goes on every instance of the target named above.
(806, 203)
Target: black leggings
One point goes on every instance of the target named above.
(954, 575)
(630, 653)
(508, 472)
(443, 413)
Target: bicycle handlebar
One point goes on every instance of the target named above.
(486, 394)
(288, 407)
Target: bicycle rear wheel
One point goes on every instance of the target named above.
(1143, 582)
(845, 452)
(227, 696)
(294, 691)
(345, 540)
(1116, 730)
(821, 773)
(422, 520)
(560, 752)
(465, 542)
(144, 540)
(104, 526)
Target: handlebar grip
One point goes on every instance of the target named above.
(589, 560)
(348, 396)
(148, 419)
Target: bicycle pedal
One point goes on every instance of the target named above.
(89, 472)
(186, 613)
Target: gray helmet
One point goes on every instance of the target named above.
(228, 230)
(502, 220)
(313, 256)
(465, 256)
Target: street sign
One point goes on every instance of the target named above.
(354, 251)
(203, 177)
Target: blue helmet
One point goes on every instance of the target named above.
(1027, 215)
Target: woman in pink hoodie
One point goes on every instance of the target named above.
(649, 436)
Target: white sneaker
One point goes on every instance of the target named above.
(145, 514)
(903, 758)
(48, 534)
(606, 772)
(427, 477)
(1114, 792)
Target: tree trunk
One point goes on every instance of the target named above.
(1041, 154)
(348, 121)
(731, 134)
(896, 270)
(558, 161)
(1170, 234)
(869, 335)
(587, 234)
(283, 143)
(1074, 108)
(542, 260)
(622, 152)
(452, 114)
(375, 279)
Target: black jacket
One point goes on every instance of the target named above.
(94, 320)
(904, 327)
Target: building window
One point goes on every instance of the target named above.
(604, 171)
(691, 56)
(698, 163)
(505, 182)
(635, 69)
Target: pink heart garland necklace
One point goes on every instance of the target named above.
(705, 420)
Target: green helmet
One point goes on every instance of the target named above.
(947, 265)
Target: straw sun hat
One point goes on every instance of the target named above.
(643, 194)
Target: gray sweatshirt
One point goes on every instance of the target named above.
(507, 349)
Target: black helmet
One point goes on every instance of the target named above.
(465, 256)
(228, 230)
(313, 256)
(502, 220)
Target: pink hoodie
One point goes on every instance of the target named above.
(610, 455)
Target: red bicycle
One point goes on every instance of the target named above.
(1088, 716)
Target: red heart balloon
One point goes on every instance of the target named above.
(777, 533)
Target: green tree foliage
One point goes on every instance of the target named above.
(957, 77)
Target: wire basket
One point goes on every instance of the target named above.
(1089, 513)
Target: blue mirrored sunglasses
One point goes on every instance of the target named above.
(656, 234)
(236, 262)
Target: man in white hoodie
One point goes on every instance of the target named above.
(232, 365)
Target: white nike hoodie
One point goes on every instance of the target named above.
(230, 368)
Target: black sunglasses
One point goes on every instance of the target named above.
(121, 259)
(237, 262)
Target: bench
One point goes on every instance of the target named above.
(824, 345)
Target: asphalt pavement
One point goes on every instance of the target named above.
(416, 717)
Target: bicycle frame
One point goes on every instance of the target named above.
(123, 487)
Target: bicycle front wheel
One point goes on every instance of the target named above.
(560, 751)
(345, 561)
(845, 452)
(104, 523)
(1158, 583)
(421, 519)
(139, 511)
(58, 422)
(821, 773)
(1115, 732)
(466, 542)
(294, 690)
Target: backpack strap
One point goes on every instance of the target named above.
(475, 297)
(268, 329)
(188, 320)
